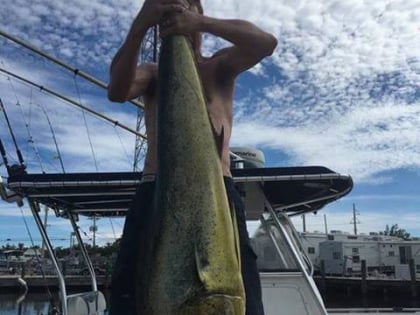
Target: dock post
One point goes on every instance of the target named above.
(322, 284)
(364, 278)
(413, 281)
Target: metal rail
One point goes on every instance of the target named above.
(84, 252)
(63, 292)
(297, 256)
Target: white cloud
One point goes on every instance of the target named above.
(341, 90)
(363, 142)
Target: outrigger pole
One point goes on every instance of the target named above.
(63, 64)
(19, 154)
(69, 100)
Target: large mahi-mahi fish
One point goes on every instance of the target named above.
(195, 264)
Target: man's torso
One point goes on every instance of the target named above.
(218, 93)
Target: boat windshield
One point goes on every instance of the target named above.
(271, 247)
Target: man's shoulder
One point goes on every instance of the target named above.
(218, 64)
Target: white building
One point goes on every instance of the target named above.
(343, 252)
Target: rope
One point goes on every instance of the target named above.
(86, 125)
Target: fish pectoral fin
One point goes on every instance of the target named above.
(202, 265)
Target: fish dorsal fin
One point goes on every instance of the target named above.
(218, 138)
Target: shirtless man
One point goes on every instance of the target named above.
(218, 73)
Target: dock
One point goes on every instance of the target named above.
(39, 283)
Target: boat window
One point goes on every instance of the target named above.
(311, 250)
(356, 259)
(273, 252)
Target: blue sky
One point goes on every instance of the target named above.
(341, 90)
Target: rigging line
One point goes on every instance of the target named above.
(95, 162)
(123, 146)
(30, 138)
(63, 64)
(35, 146)
(30, 115)
(113, 230)
(36, 253)
(19, 154)
(54, 138)
(72, 102)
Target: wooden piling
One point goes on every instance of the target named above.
(413, 281)
(364, 278)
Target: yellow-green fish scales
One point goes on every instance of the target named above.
(195, 267)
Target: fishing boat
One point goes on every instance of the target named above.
(273, 195)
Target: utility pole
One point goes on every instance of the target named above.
(93, 228)
(304, 222)
(325, 225)
(355, 221)
(72, 243)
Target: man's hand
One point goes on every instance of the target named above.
(180, 23)
(153, 11)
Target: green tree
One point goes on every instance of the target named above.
(396, 231)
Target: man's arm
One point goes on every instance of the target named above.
(123, 68)
(127, 80)
(250, 43)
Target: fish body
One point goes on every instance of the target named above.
(195, 264)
